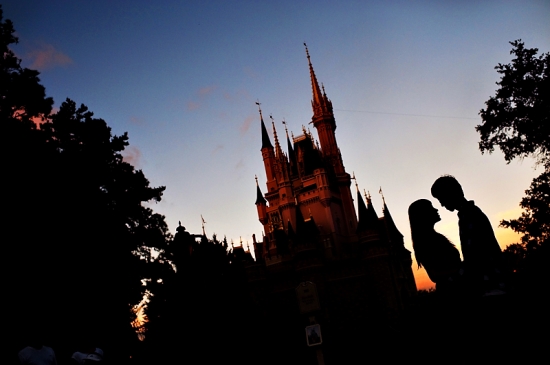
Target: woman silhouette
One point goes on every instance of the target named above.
(433, 250)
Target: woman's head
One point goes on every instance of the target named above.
(423, 214)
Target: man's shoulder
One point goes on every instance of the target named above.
(470, 210)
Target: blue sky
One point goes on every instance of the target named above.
(406, 78)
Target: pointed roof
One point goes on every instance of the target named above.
(259, 196)
(278, 149)
(266, 143)
(317, 94)
(288, 144)
(372, 217)
(291, 155)
(390, 224)
(362, 213)
(321, 105)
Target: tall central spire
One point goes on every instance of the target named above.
(278, 149)
(317, 95)
(322, 106)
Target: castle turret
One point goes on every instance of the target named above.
(261, 204)
(394, 236)
(268, 155)
(323, 120)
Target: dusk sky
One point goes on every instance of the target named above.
(406, 78)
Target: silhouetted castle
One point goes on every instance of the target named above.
(312, 233)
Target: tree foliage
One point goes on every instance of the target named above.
(202, 305)
(23, 97)
(534, 222)
(517, 118)
(79, 240)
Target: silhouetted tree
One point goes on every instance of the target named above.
(517, 120)
(79, 240)
(23, 98)
(201, 309)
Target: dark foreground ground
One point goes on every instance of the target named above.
(504, 329)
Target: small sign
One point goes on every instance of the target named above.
(313, 335)
(308, 300)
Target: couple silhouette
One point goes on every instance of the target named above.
(480, 272)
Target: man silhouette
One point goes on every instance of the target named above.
(480, 249)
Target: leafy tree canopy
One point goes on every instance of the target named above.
(535, 220)
(80, 242)
(517, 118)
(22, 96)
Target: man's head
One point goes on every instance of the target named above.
(448, 191)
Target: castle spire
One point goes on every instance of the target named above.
(278, 150)
(259, 196)
(268, 155)
(317, 94)
(261, 204)
(291, 155)
(372, 217)
(393, 231)
(266, 143)
(362, 213)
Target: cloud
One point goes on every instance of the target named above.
(191, 105)
(207, 90)
(48, 57)
(246, 124)
(250, 72)
(239, 95)
(217, 149)
(239, 164)
(136, 121)
(202, 93)
(132, 155)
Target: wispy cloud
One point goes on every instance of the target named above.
(207, 90)
(239, 164)
(191, 105)
(132, 155)
(250, 72)
(202, 94)
(217, 149)
(241, 95)
(245, 126)
(47, 57)
(136, 121)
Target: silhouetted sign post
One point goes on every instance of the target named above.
(308, 300)
(313, 335)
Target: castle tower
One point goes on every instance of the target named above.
(312, 231)
(268, 155)
(323, 120)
